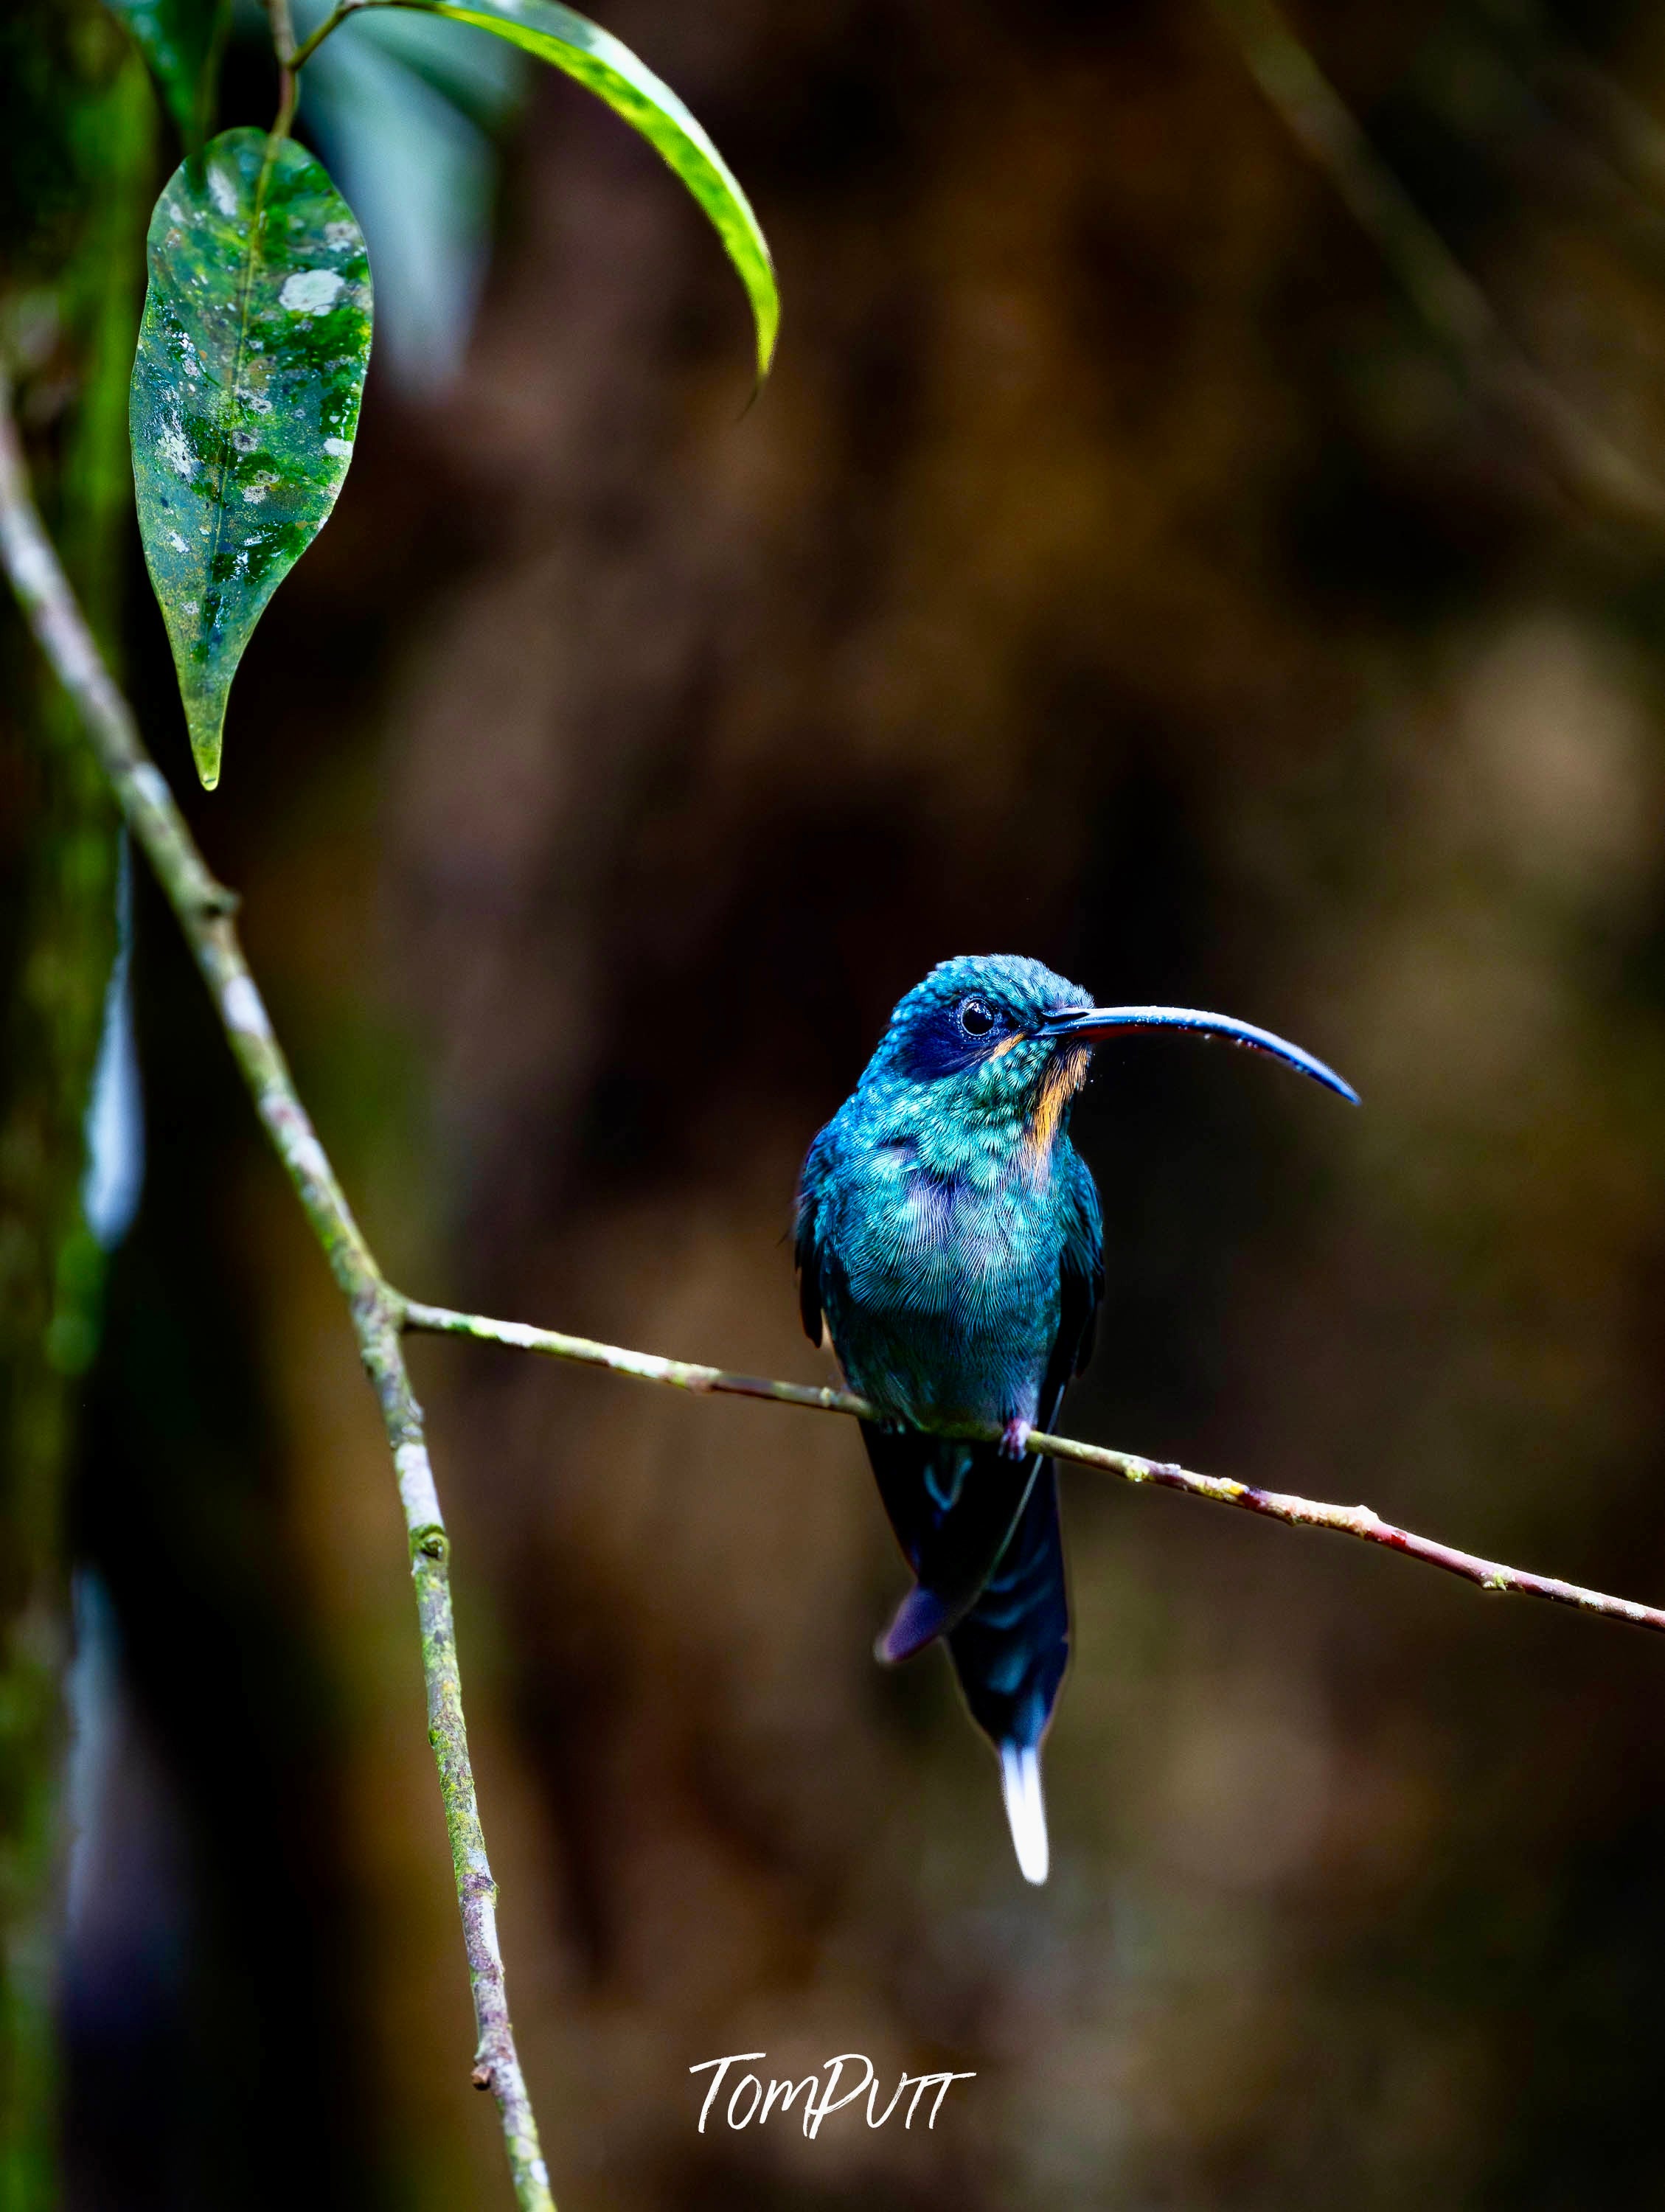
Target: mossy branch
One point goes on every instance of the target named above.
(204, 910)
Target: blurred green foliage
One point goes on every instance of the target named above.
(182, 40)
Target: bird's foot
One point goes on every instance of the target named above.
(1014, 1438)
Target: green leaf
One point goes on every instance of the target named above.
(245, 398)
(612, 72)
(182, 40)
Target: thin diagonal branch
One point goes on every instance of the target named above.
(204, 909)
(1358, 1521)
(1451, 304)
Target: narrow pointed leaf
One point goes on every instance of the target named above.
(245, 398)
(182, 40)
(597, 59)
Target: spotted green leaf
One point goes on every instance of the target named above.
(245, 398)
(182, 40)
(571, 42)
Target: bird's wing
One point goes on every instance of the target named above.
(806, 1248)
(1010, 1648)
(1081, 1285)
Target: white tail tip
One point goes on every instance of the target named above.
(1025, 1807)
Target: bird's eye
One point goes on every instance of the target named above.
(975, 1018)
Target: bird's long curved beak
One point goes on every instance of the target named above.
(1089, 1022)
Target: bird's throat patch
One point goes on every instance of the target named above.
(1066, 1072)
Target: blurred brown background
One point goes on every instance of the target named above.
(1117, 569)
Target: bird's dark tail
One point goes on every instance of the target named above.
(1010, 1652)
(953, 1507)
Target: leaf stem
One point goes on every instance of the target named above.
(304, 52)
(1358, 1521)
(204, 909)
(282, 39)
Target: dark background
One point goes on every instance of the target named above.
(1118, 569)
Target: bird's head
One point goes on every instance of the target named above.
(1001, 1040)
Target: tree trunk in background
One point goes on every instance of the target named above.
(76, 133)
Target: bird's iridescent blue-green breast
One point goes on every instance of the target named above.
(945, 1190)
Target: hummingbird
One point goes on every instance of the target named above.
(950, 1242)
